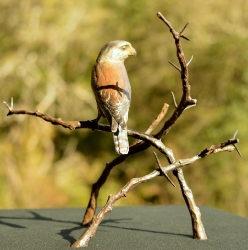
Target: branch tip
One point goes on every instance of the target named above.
(237, 150)
(184, 37)
(175, 66)
(181, 33)
(235, 134)
(236, 147)
(10, 108)
(185, 26)
(190, 60)
(160, 16)
(174, 99)
(157, 160)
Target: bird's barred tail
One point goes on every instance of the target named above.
(121, 141)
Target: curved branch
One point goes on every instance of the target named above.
(185, 102)
(92, 124)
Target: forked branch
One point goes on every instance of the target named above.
(198, 228)
(144, 140)
(92, 124)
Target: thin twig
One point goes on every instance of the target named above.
(227, 146)
(155, 123)
(165, 174)
(188, 63)
(159, 118)
(55, 121)
(181, 33)
(185, 26)
(186, 100)
(175, 66)
(174, 99)
(91, 124)
(234, 136)
(90, 232)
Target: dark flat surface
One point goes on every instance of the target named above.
(154, 227)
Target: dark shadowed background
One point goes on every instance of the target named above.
(47, 50)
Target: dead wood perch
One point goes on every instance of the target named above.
(144, 141)
(186, 102)
(198, 228)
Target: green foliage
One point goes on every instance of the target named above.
(48, 48)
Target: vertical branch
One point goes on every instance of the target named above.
(186, 101)
(197, 226)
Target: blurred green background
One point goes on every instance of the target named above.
(47, 50)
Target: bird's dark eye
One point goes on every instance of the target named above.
(123, 47)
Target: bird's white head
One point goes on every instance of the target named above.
(116, 51)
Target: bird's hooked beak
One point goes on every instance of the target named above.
(132, 52)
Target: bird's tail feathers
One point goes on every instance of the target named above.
(121, 141)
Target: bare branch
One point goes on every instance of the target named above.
(159, 14)
(214, 149)
(90, 232)
(159, 118)
(198, 228)
(92, 124)
(155, 123)
(144, 141)
(225, 146)
(58, 121)
(186, 100)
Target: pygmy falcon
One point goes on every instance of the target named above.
(111, 86)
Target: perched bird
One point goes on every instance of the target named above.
(111, 86)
